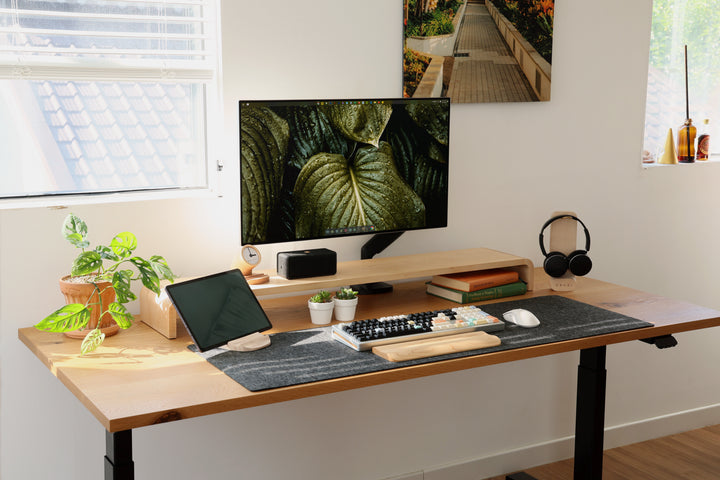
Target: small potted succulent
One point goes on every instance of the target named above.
(345, 301)
(98, 287)
(321, 308)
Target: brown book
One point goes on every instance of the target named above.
(490, 293)
(476, 280)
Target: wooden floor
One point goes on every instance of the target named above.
(693, 455)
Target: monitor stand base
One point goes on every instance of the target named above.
(372, 288)
(249, 343)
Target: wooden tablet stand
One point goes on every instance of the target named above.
(249, 343)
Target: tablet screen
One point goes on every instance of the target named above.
(218, 308)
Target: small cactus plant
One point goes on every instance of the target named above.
(323, 296)
(346, 294)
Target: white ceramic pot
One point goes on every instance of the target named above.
(321, 313)
(345, 309)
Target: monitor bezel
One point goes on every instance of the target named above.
(306, 102)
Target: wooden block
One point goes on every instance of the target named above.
(158, 311)
(563, 238)
(563, 234)
(431, 347)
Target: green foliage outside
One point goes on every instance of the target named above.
(695, 23)
(436, 20)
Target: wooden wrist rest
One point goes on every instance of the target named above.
(431, 347)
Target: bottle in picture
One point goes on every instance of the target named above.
(686, 142)
(703, 147)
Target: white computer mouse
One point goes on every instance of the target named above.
(522, 318)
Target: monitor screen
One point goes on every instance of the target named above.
(324, 168)
(218, 308)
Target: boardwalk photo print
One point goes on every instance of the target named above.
(478, 51)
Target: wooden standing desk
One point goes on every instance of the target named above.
(170, 383)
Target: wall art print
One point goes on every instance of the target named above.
(478, 51)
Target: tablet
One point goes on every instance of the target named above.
(218, 309)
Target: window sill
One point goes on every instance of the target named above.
(713, 160)
(59, 201)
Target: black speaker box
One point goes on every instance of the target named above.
(306, 263)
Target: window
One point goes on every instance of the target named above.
(106, 95)
(676, 23)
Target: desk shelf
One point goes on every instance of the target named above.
(404, 267)
(161, 316)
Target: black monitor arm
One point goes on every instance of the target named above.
(376, 244)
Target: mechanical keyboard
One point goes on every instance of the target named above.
(365, 334)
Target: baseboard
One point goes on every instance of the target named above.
(562, 448)
(662, 426)
(409, 476)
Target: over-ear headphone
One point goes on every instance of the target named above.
(557, 263)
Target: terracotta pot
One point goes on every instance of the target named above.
(80, 292)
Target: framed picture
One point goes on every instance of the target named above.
(478, 51)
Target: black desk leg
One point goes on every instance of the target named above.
(589, 417)
(590, 414)
(118, 456)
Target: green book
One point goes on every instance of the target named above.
(458, 296)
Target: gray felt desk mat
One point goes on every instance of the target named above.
(312, 355)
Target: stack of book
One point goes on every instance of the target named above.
(477, 286)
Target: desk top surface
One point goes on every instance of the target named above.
(168, 382)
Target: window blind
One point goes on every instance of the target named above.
(125, 40)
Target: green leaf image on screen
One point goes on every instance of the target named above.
(432, 118)
(363, 123)
(333, 192)
(313, 169)
(264, 141)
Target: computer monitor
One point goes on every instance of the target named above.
(313, 169)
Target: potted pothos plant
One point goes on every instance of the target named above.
(345, 301)
(321, 308)
(98, 286)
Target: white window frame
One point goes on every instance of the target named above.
(20, 65)
(674, 97)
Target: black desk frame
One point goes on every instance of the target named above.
(590, 411)
(589, 426)
(589, 417)
(119, 464)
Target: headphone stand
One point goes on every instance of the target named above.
(563, 238)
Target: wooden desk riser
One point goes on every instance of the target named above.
(162, 316)
(167, 382)
(402, 267)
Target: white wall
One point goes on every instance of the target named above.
(512, 165)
